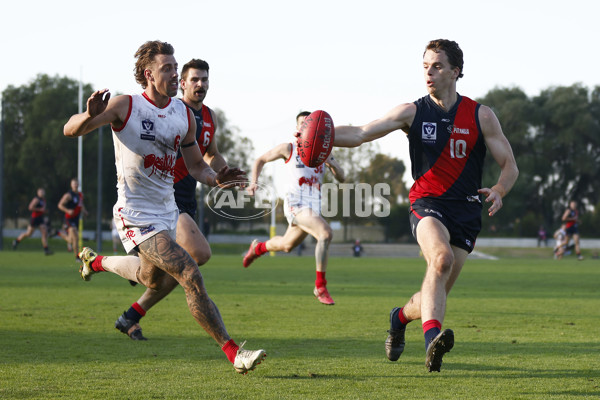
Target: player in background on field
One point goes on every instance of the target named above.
(37, 207)
(560, 246)
(302, 208)
(194, 85)
(571, 219)
(148, 130)
(448, 137)
(71, 203)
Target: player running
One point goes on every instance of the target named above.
(302, 208)
(448, 137)
(148, 130)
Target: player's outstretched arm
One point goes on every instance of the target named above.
(500, 149)
(283, 150)
(101, 110)
(400, 117)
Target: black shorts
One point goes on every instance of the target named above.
(72, 222)
(462, 219)
(572, 230)
(187, 208)
(36, 221)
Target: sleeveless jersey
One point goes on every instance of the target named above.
(185, 184)
(74, 204)
(145, 152)
(303, 181)
(447, 151)
(572, 214)
(41, 202)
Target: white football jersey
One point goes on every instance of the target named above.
(303, 181)
(145, 154)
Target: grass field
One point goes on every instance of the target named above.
(526, 328)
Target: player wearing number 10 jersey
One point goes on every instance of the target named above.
(448, 138)
(447, 152)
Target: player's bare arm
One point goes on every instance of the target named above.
(62, 204)
(500, 149)
(400, 117)
(34, 205)
(199, 169)
(213, 157)
(101, 110)
(566, 217)
(282, 150)
(335, 168)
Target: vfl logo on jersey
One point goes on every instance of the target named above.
(147, 130)
(429, 132)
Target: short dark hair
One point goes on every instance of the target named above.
(145, 58)
(194, 63)
(452, 50)
(302, 114)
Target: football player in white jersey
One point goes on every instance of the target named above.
(302, 207)
(148, 130)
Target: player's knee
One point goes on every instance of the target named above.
(325, 236)
(201, 256)
(442, 262)
(287, 247)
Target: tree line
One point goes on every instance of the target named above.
(554, 135)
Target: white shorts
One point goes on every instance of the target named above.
(293, 204)
(135, 227)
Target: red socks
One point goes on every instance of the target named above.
(97, 264)
(320, 281)
(138, 308)
(230, 349)
(260, 248)
(401, 317)
(432, 323)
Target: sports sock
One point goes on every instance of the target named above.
(320, 281)
(230, 349)
(431, 329)
(97, 264)
(135, 312)
(260, 249)
(398, 319)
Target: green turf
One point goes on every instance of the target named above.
(525, 329)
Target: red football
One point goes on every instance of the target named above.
(316, 138)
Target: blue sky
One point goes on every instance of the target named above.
(271, 59)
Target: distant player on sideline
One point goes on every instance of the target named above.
(448, 136)
(71, 203)
(302, 208)
(148, 130)
(38, 209)
(571, 220)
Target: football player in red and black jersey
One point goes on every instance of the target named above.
(71, 203)
(448, 135)
(38, 209)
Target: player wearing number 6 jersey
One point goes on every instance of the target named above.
(448, 135)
